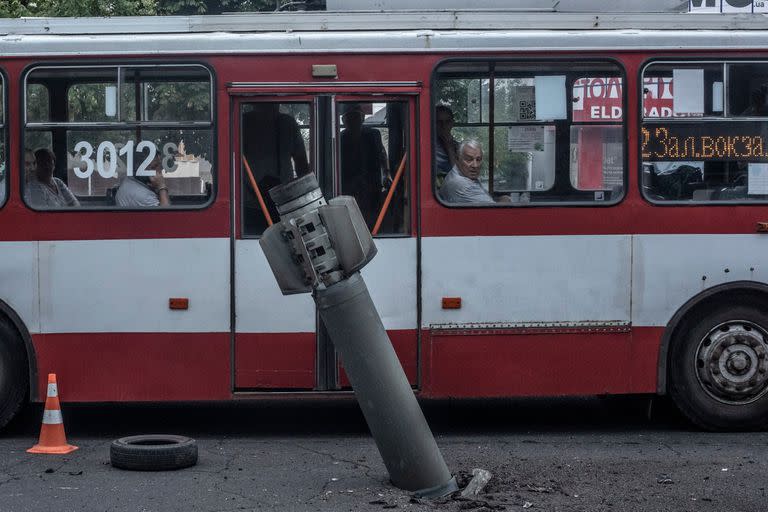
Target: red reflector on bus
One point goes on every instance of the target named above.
(451, 302)
(178, 303)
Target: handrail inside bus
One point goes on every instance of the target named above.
(391, 192)
(257, 191)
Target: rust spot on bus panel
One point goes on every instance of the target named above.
(178, 303)
(451, 302)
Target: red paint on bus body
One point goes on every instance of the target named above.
(195, 366)
(491, 365)
(102, 367)
(275, 360)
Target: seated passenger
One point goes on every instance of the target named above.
(144, 191)
(43, 190)
(462, 185)
(445, 148)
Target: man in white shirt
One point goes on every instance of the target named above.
(144, 193)
(461, 184)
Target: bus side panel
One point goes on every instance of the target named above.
(573, 280)
(670, 269)
(498, 365)
(545, 364)
(18, 281)
(136, 366)
(275, 360)
(539, 315)
(126, 285)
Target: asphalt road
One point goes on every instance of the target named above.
(559, 455)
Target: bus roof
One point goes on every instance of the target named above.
(323, 21)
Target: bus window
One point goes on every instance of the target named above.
(373, 144)
(3, 152)
(549, 132)
(700, 141)
(748, 89)
(276, 148)
(121, 136)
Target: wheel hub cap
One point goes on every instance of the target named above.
(732, 362)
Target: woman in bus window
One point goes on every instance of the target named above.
(43, 190)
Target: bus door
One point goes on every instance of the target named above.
(374, 153)
(355, 146)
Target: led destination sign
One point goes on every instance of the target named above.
(747, 141)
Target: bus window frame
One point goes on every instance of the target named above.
(117, 65)
(725, 117)
(596, 59)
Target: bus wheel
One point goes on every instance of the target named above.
(719, 369)
(13, 373)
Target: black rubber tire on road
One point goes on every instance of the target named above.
(14, 377)
(153, 452)
(688, 392)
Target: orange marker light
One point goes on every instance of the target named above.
(451, 302)
(178, 303)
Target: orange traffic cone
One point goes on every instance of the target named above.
(52, 437)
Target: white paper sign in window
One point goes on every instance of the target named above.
(550, 98)
(717, 97)
(525, 138)
(688, 95)
(758, 179)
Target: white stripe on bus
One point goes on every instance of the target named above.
(101, 286)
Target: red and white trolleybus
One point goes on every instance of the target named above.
(627, 251)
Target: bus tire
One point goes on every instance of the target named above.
(13, 372)
(153, 452)
(719, 368)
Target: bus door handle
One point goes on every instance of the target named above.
(762, 227)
